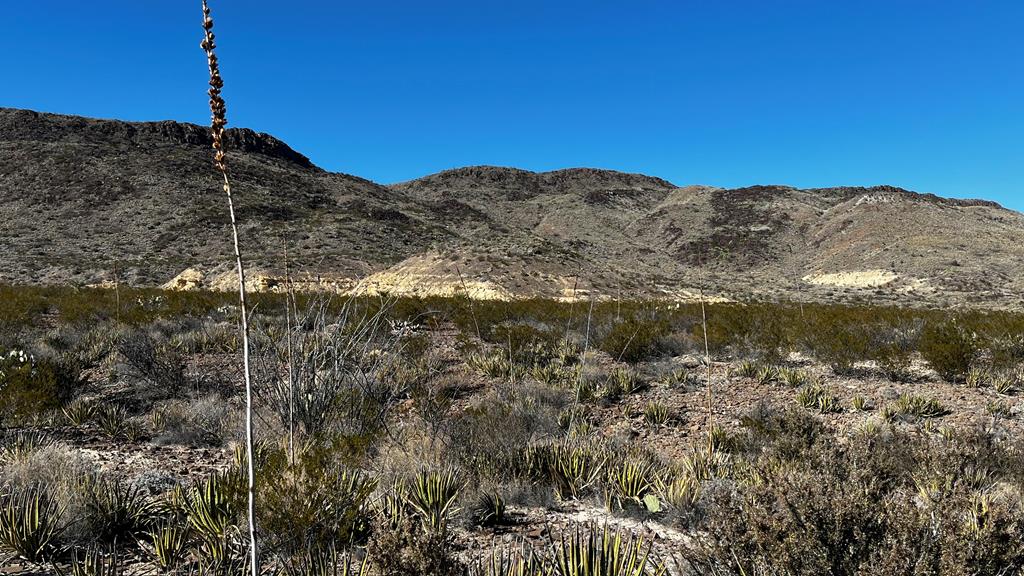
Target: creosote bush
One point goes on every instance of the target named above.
(949, 348)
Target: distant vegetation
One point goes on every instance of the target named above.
(390, 427)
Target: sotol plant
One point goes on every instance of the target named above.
(432, 495)
(30, 523)
(218, 120)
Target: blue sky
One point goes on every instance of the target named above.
(926, 95)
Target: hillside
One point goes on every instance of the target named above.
(83, 198)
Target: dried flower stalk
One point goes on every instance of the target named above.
(218, 120)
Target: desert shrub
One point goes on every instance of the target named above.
(404, 548)
(153, 362)
(313, 501)
(837, 337)
(884, 503)
(634, 339)
(206, 338)
(787, 434)
(201, 422)
(31, 386)
(1006, 350)
(949, 348)
(488, 437)
(329, 374)
(525, 344)
(893, 347)
(756, 330)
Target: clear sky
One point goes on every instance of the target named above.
(926, 95)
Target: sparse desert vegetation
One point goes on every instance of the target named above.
(440, 436)
(630, 379)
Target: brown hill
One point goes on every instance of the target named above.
(83, 197)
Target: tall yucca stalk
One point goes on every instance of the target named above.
(218, 120)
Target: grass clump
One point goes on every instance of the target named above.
(818, 398)
(914, 406)
(656, 413)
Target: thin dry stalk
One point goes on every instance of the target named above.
(218, 119)
(707, 360)
(583, 364)
(472, 308)
(289, 295)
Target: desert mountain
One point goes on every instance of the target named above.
(81, 199)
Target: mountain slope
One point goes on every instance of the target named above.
(84, 197)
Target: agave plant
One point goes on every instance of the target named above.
(680, 491)
(18, 444)
(325, 561)
(1004, 384)
(94, 562)
(574, 468)
(977, 377)
(116, 512)
(793, 377)
(168, 544)
(112, 420)
(817, 397)
(859, 403)
(79, 412)
(656, 413)
(522, 562)
(210, 508)
(594, 552)
(914, 406)
(489, 509)
(632, 482)
(433, 493)
(30, 523)
(766, 374)
(747, 369)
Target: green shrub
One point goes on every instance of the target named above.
(313, 501)
(634, 339)
(404, 548)
(949, 348)
(30, 387)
